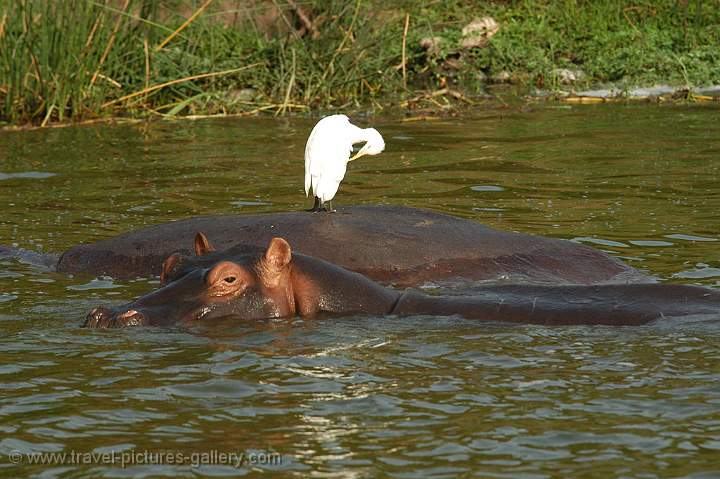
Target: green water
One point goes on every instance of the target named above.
(363, 397)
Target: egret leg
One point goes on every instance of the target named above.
(329, 207)
(316, 207)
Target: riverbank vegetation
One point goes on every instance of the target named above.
(75, 60)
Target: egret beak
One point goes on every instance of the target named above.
(362, 152)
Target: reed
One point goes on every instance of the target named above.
(84, 59)
(80, 59)
(60, 59)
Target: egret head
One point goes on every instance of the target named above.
(374, 144)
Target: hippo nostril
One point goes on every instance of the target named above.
(130, 318)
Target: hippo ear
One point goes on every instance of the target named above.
(202, 244)
(278, 253)
(168, 266)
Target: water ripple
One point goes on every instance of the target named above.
(364, 396)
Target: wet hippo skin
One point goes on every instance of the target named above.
(390, 244)
(276, 283)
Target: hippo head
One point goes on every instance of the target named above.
(250, 285)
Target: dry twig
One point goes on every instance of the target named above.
(404, 48)
(175, 82)
(108, 47)
(184, 25)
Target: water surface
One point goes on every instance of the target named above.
(366, 396)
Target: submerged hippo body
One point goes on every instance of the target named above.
(390, 244)
(256, 284)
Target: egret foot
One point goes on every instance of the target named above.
(328, 207)
(317, 206)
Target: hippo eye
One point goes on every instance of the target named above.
(230, 279)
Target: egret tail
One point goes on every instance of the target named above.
(308, 182)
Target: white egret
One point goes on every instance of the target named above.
(327, 154)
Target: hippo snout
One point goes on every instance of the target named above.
(106, 318)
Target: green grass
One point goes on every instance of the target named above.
(79, 59)
(640, 42)
(53, 59)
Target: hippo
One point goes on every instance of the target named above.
(252, 283)
(390, 244)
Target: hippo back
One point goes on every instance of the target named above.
(391, 244)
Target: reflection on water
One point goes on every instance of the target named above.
(367, 396)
